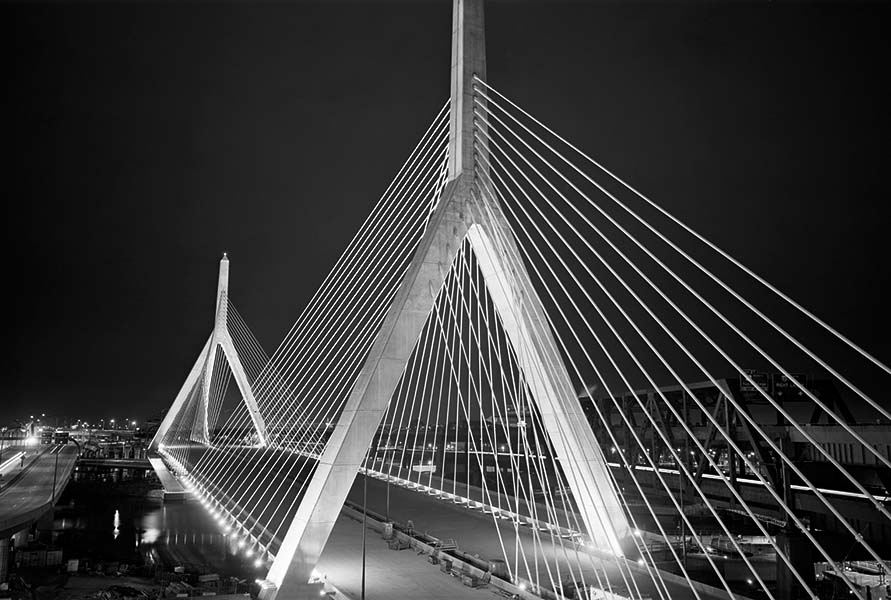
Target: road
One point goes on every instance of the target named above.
(28, 495)
(475, 533)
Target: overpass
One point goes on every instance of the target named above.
(32, 491)
(35, 490)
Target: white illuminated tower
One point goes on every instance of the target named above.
(463, 213)
(203, 370)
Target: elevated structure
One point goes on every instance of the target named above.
(501, 270)
(31, 493)
(199, 379)
(173, 489)
(462, 213)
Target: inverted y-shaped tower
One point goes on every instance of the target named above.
(463, 212)
(203, 370)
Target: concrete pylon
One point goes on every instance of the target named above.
(203, 370)
(462, 213)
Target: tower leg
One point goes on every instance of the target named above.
(182, 397)
(244, 387)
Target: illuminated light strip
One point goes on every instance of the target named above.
(801, 488)
(213, 505)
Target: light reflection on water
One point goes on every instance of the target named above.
(146, 532)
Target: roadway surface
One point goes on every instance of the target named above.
(481, 535)
(28, 494)
(474, 532)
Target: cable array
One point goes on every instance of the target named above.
(639, 312)
(674, 349)
(301, 388)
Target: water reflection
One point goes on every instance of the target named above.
(146, 532)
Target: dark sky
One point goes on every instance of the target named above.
(142, 140)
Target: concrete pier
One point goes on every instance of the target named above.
(173, 489)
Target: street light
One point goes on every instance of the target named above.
(55, 471)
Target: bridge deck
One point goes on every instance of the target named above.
(475, 532)
(30, 494)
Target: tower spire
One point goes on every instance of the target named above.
(222, 291)
(468, 60)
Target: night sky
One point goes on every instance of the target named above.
(143, 140)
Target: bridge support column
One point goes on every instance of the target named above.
(462, 214)
(203, 370)
(799, 550)
(305, 591)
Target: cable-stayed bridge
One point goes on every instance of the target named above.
(515, 331)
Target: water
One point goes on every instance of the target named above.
(126, 523)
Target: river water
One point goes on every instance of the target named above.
(127, 523)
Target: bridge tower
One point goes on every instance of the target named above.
(463, 213)
(203, 370)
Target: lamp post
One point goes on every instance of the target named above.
(364, 526)
(56, 470)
